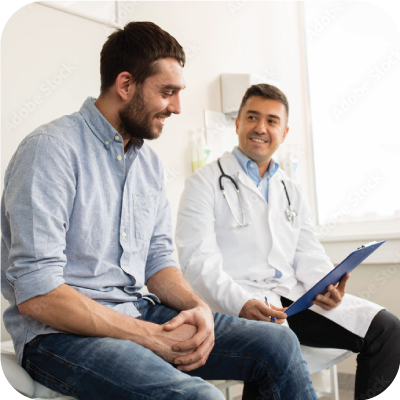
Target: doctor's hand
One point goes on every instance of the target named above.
(259, 311)
(195, 350)
(334, 295)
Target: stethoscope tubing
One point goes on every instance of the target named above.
(290, 213)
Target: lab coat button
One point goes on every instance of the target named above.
(119, 158)
(123, 234)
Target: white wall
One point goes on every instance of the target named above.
(36, 42)
(256, 37)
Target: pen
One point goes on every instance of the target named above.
(266, 300)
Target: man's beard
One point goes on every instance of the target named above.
(135, 122)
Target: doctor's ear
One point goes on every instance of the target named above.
(237, 124)
(284, 134)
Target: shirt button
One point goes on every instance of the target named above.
(117, 137)
(251, 165)
(119, 158)
(123, 234)
(107, 142)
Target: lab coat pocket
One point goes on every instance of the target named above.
(144, 210)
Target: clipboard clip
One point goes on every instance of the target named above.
(366, 245)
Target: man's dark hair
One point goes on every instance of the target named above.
(267, 92)
(136, 49)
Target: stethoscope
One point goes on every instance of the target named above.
(290, 213)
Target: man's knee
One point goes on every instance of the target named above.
(277, 341)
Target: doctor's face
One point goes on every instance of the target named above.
(261, 128)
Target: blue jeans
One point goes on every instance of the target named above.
(107, 368)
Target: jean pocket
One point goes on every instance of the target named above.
(50, 381)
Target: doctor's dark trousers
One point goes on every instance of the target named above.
(378, 357)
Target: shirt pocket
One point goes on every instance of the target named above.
(144, 214)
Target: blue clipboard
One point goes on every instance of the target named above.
(347, 265)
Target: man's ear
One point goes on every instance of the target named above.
(237, 124)
(125, 86)
(284, 134)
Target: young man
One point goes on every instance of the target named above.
(86, 223)
(234, 254)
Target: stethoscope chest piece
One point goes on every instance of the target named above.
(291, 214)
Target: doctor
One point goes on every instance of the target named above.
(238, 246)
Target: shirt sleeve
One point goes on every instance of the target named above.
(161, 247)
(38, 200)
(311, 263)
(200, 257)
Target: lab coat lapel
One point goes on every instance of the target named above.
(231, 167)
(273, 199)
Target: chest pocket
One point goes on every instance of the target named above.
(144, 214)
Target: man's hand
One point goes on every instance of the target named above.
(334, 295)
(259, 311)
(163, 341)
(193, 352)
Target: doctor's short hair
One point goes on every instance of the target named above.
(267, 92)
(136, 49)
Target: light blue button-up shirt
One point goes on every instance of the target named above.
(251, 170)
(75, 211)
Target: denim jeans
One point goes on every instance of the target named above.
(107, 368)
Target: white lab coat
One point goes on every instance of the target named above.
(227, 266)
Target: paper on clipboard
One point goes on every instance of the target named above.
(332, 278)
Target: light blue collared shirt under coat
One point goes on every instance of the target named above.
(75, 211)
(251, 170)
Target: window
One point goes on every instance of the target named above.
(353, 59)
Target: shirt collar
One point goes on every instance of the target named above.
(245, 162)
(101, 128)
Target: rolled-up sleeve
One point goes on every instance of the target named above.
(38, 201)
(161, 245)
